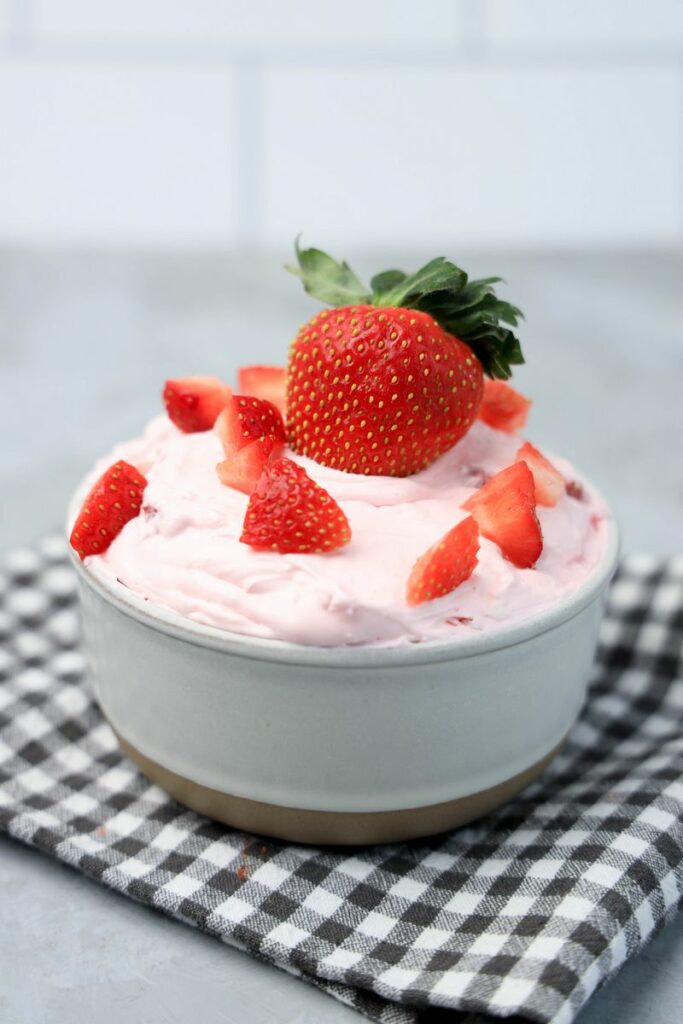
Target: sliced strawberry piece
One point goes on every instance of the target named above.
(244, 420)
(505, 511)
(269, 382)
(549, 483)
(446, 565)
(243, 469)
(289, 512)
(193, 403)
(575, 490)
(502, 407)
(115, 499)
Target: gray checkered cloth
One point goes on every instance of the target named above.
(523, 914)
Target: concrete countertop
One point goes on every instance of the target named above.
(86, 340)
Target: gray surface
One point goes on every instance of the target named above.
(85, 342)
(73, 952)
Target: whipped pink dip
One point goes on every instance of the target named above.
(183, 552)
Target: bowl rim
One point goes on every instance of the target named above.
(178, 626)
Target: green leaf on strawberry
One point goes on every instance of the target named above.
(438, 275)
(325, 279)
(469, 310)
(387, 280)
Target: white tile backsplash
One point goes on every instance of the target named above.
(486, 122)
(588, 23)
(120, 154)
(474, 156)
(256, 24)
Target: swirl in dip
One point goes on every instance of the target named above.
(184, 553)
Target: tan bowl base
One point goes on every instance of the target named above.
(337, 828)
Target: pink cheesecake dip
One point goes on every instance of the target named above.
(183, 552)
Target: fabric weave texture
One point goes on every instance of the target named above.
(523, 914)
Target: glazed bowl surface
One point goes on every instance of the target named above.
(344, 745)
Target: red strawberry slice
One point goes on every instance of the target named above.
(268, 382)
(289, 512)
(193, 403)
(114, 500)
(243, 469)
(244, 420)
(446, 565)
(549, 483)
(505, 511)
(502, 407)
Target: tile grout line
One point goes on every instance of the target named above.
(474, 36)
(680, 151)
(474, 50)
(248, 138)
(20, 26)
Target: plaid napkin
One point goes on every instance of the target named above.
(524, 913)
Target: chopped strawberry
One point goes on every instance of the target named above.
(243, 469)
(446, 565)
(244, 420)
(269, 382)
(505, 511)
(502, 407)
(114, 499)
(289, 512)
(575, 490)
(549, 483)
(252, 434)
(193, 403)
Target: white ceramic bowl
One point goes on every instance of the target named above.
(339, 745)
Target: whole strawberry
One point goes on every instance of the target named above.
(392, 377)
(290, 513)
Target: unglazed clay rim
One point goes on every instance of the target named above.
(338, 828)
(371, 655)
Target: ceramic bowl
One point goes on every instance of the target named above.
(339, 745)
